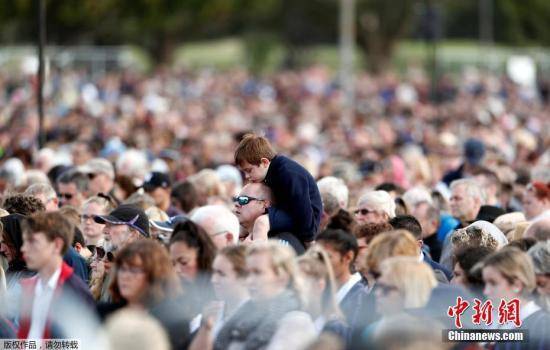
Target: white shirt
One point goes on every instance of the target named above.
(544, 215)
(524, 311)
(43, 294)
(344, 290)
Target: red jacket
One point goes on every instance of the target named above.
(67, 282)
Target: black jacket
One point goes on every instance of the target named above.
(296, 194)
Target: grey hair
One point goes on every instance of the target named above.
(472, 187)
(540, 254)
(336, 187)
(221, 218)
(80, 180)
(41, 189)
(380, 200)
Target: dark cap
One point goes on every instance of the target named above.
(129, 215)
(155, 180)
(168, 225)
(474, 150)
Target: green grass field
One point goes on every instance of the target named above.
(452, 55)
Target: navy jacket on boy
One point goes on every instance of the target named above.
(296, 195)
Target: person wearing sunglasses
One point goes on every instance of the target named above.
(295, 192)
(101, 173)
(122, 226)
(374, 207)
(72, 188)
(404, 284)
(251, 203)
(93, 232)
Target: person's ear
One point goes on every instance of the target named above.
(420, 243)
(229, 237)
(78, 247)
(264, 162)
(321, 284)
(59, 243)
(517, 286)
(283, 278)
(348, 257)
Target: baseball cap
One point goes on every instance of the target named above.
(129, 215)
(155, 180)
(474, 150)
(99, 166)
(168, 225)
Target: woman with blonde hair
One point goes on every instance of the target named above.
(321, 292)
(509, 277)
(92, 231)
(273, 319)
(404, 284)
(387, 245)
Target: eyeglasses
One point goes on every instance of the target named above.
(100, 253)
(85, 217)
(385, 289)
(244, 200)
(363, 211)
(67, 196)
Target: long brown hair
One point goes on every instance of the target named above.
(152, 257)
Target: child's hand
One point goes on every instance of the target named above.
(261, 228)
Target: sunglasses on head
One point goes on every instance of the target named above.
(68, 196)
(244, 200)
(100, 253)
(363, 211)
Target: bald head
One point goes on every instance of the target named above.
(539, 230)
(258, 190)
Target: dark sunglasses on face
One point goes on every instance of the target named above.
(244, 200)
(85, 217)
(100, 253)
(363, 211)
(67, 196)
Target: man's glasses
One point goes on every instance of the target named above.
(67, 196)
(101, 254)
(363, 211)
(244, 200)
(86, 217)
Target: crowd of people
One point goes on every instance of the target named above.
(152, 218)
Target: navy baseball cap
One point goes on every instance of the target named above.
(129, 215)
(155, 180)
(474, 151)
